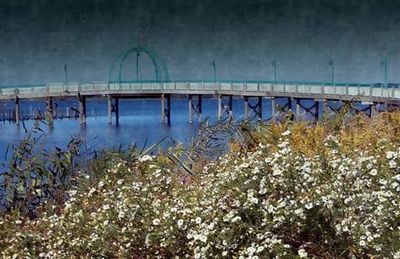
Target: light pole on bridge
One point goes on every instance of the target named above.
(66, 74)
(214, 70)
(385, 66)
(137, 65)
(332, 65)
(273, 63)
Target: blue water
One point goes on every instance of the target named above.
(140, 122)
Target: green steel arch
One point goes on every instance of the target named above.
(160, 68)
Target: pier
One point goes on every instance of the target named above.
(373, 97)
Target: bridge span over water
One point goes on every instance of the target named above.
(373, 97)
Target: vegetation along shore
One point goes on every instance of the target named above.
(290, 189)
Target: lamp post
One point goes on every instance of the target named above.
(273, 63)
(384, 65)
(214, 70)
(332, 65)
(137, 65)
(66, 74)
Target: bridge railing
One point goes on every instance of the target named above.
(312, 89)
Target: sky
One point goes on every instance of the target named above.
(243, 37)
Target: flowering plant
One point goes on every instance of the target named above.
(293, 190)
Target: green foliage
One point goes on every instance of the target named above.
(33, 175)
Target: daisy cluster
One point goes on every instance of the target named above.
(271, 201)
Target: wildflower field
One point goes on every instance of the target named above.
(288, 190)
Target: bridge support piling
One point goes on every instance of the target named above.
(109, 109)
(113, 107)
(325, 108)
(82, 109)
(49, 110)
(200, 108)
(225, 108)
(273, 109)
(219, 114)
(17, 114)
(256, 108)
(246, 107)
(190, 103)
(316, 107)
(116, 110)
(298, 108)
(373, 110)
(162, 109)
(288, 106)
(195, 108)
(166, 109)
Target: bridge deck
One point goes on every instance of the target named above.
(372, 93)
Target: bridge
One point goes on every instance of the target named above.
(372, 96)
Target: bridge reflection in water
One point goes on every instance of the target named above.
(373, 97)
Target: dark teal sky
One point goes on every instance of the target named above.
(39, 37)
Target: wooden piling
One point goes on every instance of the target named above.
(246, 107)
(116, 110)
(49, 110)
(17, 113)
(109, 109)
(82, 109)
(190, 106)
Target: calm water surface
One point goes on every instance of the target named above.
(140, 120)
